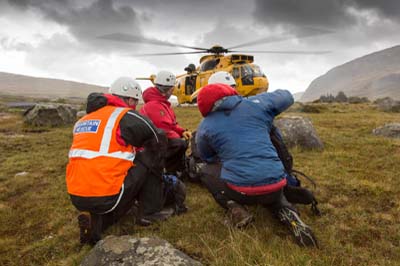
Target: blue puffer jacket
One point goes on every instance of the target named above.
(237, 134)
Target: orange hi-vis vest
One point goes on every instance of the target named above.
(98, 164)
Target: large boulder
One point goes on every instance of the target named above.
(388, 105)
(391, 130)
(50, 114)
(299, 131)
(127, 250)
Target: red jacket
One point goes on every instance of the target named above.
(159, 110)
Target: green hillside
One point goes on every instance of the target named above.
(359, 194)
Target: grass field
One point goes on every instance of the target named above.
(358, 189)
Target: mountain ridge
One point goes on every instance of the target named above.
(23, 85)
(375, 75)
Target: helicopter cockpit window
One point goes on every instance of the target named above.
(257, 71)
(235, 73)
(247, 75)
(209, 64)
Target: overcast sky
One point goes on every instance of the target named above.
(57, 38)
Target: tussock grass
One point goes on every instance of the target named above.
(358, 190)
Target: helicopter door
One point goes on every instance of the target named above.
(190, 84)
(247, 75)
(235, 73)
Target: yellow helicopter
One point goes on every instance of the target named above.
(250, 80)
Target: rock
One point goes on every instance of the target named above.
(388, 105)
(299, 131)
(127, 250)
(307, 108)
(50, 114)
(21, 105)
(391, 130)
(21, 174)
(80, 114)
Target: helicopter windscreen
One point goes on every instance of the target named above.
(247, 75)
(257, 71)
(209, 64)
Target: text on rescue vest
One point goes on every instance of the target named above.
(87, 126)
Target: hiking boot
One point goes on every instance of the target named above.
(238, 215)
(301, 232)
(143, 222)
(162, 215)
(88, 233)
(84, 222)
(180, 209)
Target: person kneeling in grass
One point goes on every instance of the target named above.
(242, 166)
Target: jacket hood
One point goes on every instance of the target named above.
(212, 93)
(97, 100)
(227, 103)
(153, 94)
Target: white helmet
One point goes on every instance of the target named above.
(165, 78)
(222, 77)
(126, 87)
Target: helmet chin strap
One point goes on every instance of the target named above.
(167, 94)
(127, 101)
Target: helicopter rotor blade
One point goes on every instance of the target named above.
(310, 32)
(282, 52)
(123, 37)
(157, 54)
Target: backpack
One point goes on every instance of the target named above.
(293, 191)
(160, 189)
(193, 161)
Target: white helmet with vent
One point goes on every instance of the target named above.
(165, 79)
(126, 87)
(222, 77)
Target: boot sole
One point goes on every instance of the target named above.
(303, 235)
(301, 232)
(245, 222)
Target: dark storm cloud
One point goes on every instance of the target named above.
(86, 22)
(388, 8)
(182, 19)
(305, 12)
(193, 13)
(327, 13)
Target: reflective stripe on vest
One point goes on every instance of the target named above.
(105, 143)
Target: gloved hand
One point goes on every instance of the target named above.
(187, 134)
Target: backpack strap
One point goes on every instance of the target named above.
(280, 146)
(314, 208)
(311, 180)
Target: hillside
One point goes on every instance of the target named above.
(297, 95)
(359, 201)
(20, 85)
(374, 76)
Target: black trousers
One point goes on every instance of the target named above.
(222, 193)
(142, 183)
(175, 155)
